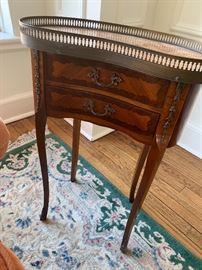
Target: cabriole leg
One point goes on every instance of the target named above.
(139, 166)
(75, 147)
(40, 121)
(154, 158)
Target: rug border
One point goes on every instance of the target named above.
(184, 251)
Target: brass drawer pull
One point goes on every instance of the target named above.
(95, 77)
(90, 105)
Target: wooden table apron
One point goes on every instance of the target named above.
(144, 107)
(127, 78)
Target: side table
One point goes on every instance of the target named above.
(126, 78)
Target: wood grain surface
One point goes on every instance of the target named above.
(174, 199)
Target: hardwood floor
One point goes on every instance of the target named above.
(174, 199)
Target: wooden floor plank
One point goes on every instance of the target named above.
(174, 197)
(183, 164)
(181, 198)
(13, 133)
(174, 177)
(196, 237)
(194, 198)
(182, 211)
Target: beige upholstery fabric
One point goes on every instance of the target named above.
(8, 260)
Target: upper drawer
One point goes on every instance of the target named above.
(106, 77)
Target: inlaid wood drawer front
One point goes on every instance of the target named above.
(101, 110)
(108, 78)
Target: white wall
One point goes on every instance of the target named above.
(134, 13)
(181, 17)
(23, 8)
(92, 9)
(185, 18)
(191, 135)
(68, 8)
(16, 99)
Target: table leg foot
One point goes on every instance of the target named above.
(131, 199)
(123, 248)
(43, 215)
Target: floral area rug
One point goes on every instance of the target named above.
(86, 219)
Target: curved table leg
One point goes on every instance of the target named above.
(138, 169)
(40, 122)
(154, 158)
(75, 147)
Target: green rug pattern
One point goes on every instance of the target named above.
(86, 219)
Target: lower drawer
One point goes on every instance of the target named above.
(102, 110)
